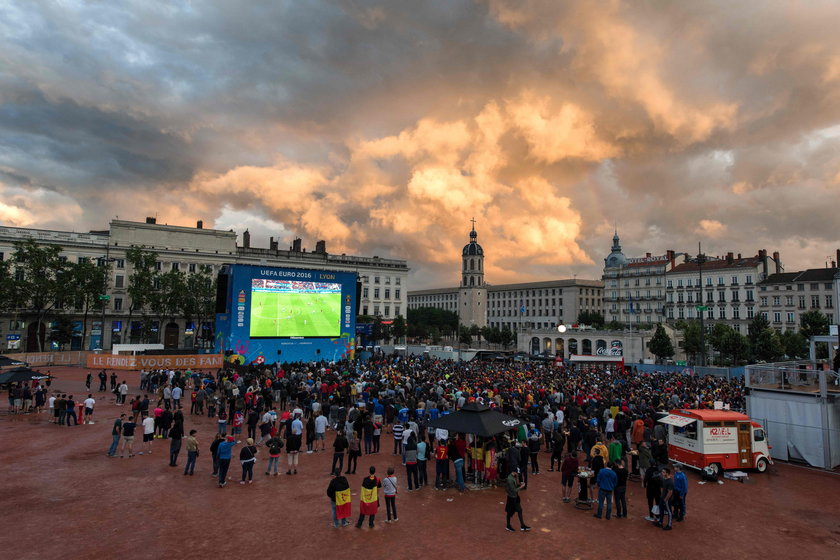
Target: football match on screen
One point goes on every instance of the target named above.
(285, 308)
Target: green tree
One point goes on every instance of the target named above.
(7, 287)
(88, 280)
(507, 337)
(199, 303)
(591, 318)
(614, 326)
(661, 345)
(42, 279)
(141, 288)
(813, 323)
(769, 345)
(168, 297)
(398, 329)
(795, 344)
(692, 338)
(754, 329)
(61, 331)
(465, 337)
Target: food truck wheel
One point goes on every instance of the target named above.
(761, 466)
(717, 468)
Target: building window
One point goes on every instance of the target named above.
(376, 279)
(750, 313)
(387, 311)
(789, 300)
(158, 265)
(708, 281)
(387, 279)
(176, 267)
(119, 281)
(376, 293)
(119, 263)
(118, 304)
(376, 310)
(191, 267)
(734, 280)
(722, 313)
(776, 301)
(736, 312)
(791, 317)
(387, 293)
(397, 280)
(365, 292)
(364, 310)
(777, 317)
(815, 302)
(829, 302)
(397, 310)
(801, 302)
(762, 301)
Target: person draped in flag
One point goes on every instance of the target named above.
(369, 498)
(339, 494)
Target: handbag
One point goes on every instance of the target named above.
(655, 510)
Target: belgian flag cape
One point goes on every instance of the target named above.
(369, 499)
(342, 504)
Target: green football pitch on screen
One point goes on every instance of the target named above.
(280, 314)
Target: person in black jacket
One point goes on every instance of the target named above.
(653, 484)
(337, 484)
(176, 433)
(340, 445)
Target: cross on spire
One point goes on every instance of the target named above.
(473, 223)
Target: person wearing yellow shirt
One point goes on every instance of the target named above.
(599, 445)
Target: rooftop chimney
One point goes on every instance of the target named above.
(837, 257)
(246, 239)
(272, 244)
(730, 257)
(647, 255)
(671, 255)
(150, 220)
(739, 256)
(296, 244)
(778, 262)
(321, 247)
(199, 224)
(762, 256)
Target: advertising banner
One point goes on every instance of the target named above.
(191, 361)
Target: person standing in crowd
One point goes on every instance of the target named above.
(389, 488)
(411, 464)
(103, 379)
(116, 433)
(128, 428)
(148, 434)
(89, 404)
(665, 498)
(192, 453)
(568, 470)
(214, 455)
(248, 458)
(177, 392)
(620, 492)
(398, 430)
(294, 433)
(275, 446)
(369, 498)
(224, 452)
(353, 452)
(441, 465)
(606, 481)
(340, 445)
(88, 379)
(338, 492)
(176, 434)
(652, 483)
(514, 503)
(114, 381)
(321, 423)
(422, 460)
(122, 392)
(680, 492)
(71, 411)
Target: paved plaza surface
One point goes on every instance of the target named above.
(62, 496)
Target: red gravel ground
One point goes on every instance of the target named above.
(62, 496)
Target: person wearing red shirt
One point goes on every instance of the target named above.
(441, 466)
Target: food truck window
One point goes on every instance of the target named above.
(758, 435)
(712, 424)
(689, 431)
(744, 427)
(729, 424)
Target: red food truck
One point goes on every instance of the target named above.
(720, 439)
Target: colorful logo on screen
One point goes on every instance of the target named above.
(241, 296)
(347, 299)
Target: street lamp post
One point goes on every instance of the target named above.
(104, 297)
(702, 307)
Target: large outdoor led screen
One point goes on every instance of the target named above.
(286, 308)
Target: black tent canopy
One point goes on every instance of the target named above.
(6, 361)
(21, 374)
(478, 419)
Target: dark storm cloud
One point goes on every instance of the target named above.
(382, 127)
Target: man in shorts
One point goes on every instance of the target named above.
(128, 437)
(89, 404)
(320, 430)
(148, 434)
(568, 470)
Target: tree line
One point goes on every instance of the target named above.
(38, 283)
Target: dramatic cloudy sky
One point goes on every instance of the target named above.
(383, 127)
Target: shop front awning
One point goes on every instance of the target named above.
(678, 421)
